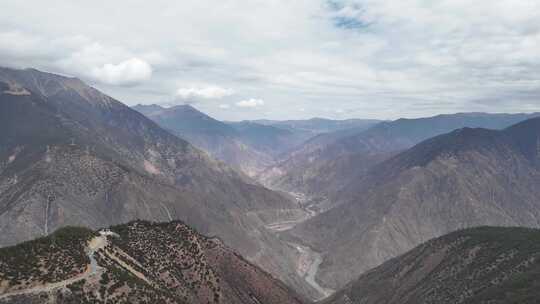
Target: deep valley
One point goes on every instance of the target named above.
(101, 202)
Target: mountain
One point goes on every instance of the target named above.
(480, 265)
(320, 125)
(185, 118)
(466, 178)
(70, 155)
(268, 139)
(244, 145)
(138, 262)
(323, 164)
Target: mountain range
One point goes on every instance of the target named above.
(325, 163)
(318, 125)
(199, 210)
(250, 146)
(466, 178)
(71, 155)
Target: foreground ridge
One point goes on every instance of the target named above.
(479, 265)
(139, 262)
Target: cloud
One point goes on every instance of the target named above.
(127, 72)
(74, 55)
(211, 92)
(224, 106)
(383, 58)
(250, 103)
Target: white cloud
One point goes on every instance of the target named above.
(384, 58)
(74, 55)
(127, 72)
(211, 92)
(224, 106)
(250, 103)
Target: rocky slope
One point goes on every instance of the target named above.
(466, 178)
(479, 265)
(70, 155)
(139, 262)
(323, 164)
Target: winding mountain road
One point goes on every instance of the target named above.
(92, 269)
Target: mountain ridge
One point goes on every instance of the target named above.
(100, 163)
(335, 154)
(137, 262)
(466, 178)
(477, 265)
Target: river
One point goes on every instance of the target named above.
(308, 261)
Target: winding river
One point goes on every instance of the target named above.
(308, 261)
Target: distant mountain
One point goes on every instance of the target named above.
(320, 125)
(139, 262)
(148, 110)
(466, 178)
(244, 145)
(185, 118)
(323, 164)
(70, 155)
(248, 145)
(476, 266)
(268, 139)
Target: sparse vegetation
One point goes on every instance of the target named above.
(479, 265)
(145, 263)
(47, 259)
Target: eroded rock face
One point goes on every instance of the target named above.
(139, 262)
(467, 178)
(479, 265)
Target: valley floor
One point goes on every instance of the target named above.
(308, 261)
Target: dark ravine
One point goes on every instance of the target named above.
(479, 265)
(139, 262)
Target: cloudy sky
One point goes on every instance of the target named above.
(284, 59)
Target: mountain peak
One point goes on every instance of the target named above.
(148, 109)
(185, 107)
(49, 85)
